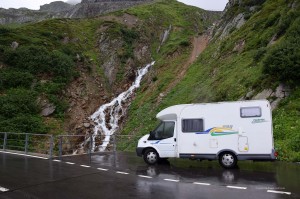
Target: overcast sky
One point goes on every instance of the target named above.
(216, 5)
(35, 4)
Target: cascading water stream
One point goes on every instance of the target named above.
(107, 117)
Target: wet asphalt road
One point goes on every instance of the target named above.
(123, 175)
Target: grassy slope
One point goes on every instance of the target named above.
(221, 74)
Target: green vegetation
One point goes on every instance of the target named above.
(38, 60)
(223, 73)
(39, 68)
(283, 61)
(287, 128)
(19, 112)
(10, 78)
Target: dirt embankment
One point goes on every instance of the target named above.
(84, 96)
(199, 45)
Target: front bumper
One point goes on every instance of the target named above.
(139, 151)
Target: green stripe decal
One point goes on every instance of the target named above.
(224, 133)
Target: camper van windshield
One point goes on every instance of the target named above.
(163, 131)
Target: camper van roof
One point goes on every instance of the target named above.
(172, 112)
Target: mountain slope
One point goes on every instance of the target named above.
(67, 68)
(254, 54)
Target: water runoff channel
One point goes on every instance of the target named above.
(107, 117)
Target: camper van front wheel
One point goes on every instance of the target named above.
(227, 160)
(150, 156)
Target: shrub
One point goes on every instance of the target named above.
(34, 59)
(293, 34)
(61, 105)
(23, 123)
(12, 78)
(4, 30)
(18, 101)
(50, 88)
(185, 43)
(129, 37)
(259, 54)
(61, 65)
(283, 62)
(284, 23)
(253, 2)
(2, 50)
(38, 60)
(272, 19)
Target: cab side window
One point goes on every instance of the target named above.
(163, 131)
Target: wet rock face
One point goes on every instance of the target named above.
(14, 45)
(236, 22)
(48, 110)
(47, 107)
(274, 96)
(232, 3)
(235, 15)
(108, 53)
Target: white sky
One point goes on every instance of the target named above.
(216, 5)
(35, 4)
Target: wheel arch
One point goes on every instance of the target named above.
(150, 147)
(227, 150)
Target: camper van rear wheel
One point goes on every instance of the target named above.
(151, 156)
(227, 160)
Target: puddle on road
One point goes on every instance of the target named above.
(257, 175)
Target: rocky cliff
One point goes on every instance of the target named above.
(23, 15)
(57, 6)
(91, 8)
(59, 9)
(236, 13)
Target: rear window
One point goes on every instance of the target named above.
(192, 125)
(250, 112)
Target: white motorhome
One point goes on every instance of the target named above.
(225, 131)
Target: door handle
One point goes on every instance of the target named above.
(175, 139)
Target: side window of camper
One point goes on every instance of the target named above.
(250, 112)
(163, 131)
(192, 125)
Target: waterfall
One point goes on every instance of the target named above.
(107, 117)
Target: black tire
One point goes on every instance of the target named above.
(228, 160)
(151, 157)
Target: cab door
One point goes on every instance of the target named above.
(163, 138)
